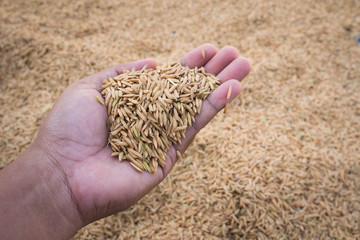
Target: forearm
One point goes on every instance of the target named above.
(34, 200)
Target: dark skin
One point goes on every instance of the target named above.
(67, 178)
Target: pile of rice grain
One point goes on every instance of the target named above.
(150, 109)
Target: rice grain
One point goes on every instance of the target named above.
(229, 93)
(174, 95)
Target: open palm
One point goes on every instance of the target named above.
(74, 135)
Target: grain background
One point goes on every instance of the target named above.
(283, 163)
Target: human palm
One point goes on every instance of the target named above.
(74, 135)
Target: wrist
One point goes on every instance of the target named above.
(35, 201)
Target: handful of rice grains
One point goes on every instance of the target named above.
(150, 109)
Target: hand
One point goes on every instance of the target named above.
(74, 135)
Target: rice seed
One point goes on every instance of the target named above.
(116, 101)
(106, 85)
(136, 133)
(226, 108)
(100, 100)
(134, 153)
(229, 93)
(202, 52)
(151, 109)
(178, 155)
(121, 155)
(180, 128)
(211, 85)
(171, 81)
(154, 165)
(114, 154)
(148, 149)
(146, 166)
(136, 167)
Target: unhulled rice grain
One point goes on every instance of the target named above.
(150, 109)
